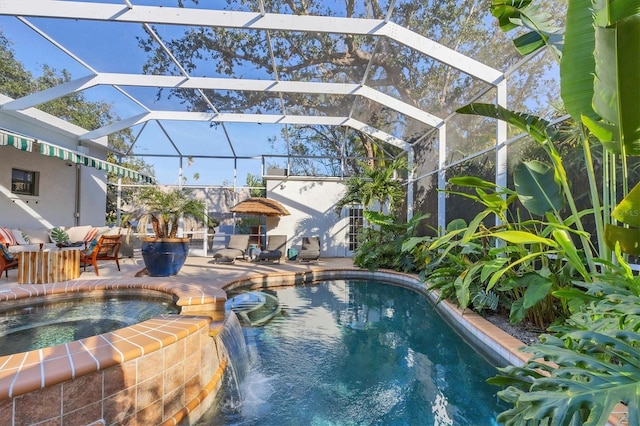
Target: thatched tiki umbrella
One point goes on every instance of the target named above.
(260, 207)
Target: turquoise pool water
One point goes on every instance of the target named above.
(358, 353)
(37, 326)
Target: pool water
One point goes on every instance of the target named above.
(28, 328)
(358, 353)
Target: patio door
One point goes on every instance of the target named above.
(355, 216)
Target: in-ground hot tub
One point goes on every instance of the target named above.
(160, 370)
(51, 323)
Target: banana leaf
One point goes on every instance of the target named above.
(537, 187)
(628, 210)
(512, 14)
(577, 66)
(617, 78)
(628, 239)
(536, 127)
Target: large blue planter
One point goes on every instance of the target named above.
(164, 256)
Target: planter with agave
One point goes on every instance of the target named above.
(165, 253)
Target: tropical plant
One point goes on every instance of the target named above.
(164, 208)
(379, 245)
(382, 247)
(575, 378)
(524, 260)
(379, 183)
(600, 88)
(592, 363)
(256, 185)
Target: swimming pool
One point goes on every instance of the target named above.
(359, 352)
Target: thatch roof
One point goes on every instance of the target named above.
(260, 207)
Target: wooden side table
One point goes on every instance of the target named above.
(48, 266)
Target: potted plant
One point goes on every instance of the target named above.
(165, 253)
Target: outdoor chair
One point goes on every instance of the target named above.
(236, 247)
(7, 261)
(107, 247)
(310, 250)
(276, 248)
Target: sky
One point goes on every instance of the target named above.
(86, 39)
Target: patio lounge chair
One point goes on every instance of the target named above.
(107, 247)
(310, 249)
(276, 248)
(236, 247)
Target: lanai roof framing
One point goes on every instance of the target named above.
(147, 15)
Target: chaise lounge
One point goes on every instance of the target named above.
(310, 250)
(276, 248)
(236, 247)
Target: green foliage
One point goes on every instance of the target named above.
(377, 183)
(164, 208)
(592, 362)
(485, 300)
(537, 187)
(579, 375)
(256, 185)
(524, 261)
(380, 247)
(541, 30)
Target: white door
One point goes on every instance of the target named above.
(355, 221)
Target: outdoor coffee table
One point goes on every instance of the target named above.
(48, 265)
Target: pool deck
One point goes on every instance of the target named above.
(200, 270)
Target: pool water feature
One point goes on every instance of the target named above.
(37, 326)
(359, 352)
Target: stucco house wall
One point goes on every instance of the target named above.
(311, 202)
(68, 194)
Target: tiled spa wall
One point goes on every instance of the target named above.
(156, 372)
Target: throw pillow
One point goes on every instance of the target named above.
(7, 237)
(92, 245)
(5, 252)
(20, 237)
(58, 235)
(91, 235)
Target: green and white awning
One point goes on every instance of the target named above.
(16, 141)
(26, 144)
(85, 160)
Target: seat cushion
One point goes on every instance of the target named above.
(78, 233)
(270, 255)
(228, 253)
(37, 236)
(238, 242)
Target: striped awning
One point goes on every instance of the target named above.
(76, 157)
(26, 144)
(16, 141)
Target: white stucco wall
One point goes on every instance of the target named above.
(311, 204)
(56, 203)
